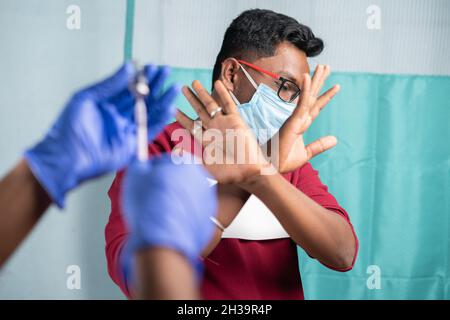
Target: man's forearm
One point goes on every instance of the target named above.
(22, 203)
(322, 234)
(164, 274)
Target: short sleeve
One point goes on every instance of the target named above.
(307, 180)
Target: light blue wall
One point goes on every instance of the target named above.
(41, 63)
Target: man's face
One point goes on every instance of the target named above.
(288, 61)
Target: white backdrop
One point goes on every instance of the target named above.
(188, 33)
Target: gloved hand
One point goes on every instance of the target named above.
(96, 132)
(167, 205)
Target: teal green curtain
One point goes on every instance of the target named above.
(129, 29)
(391, 172)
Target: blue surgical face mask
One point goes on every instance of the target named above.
(265, 113)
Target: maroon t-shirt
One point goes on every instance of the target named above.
(236, 269)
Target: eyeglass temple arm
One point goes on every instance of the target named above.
(249, 77)
(271, 74)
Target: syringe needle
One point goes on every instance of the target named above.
(140, 90)
(142, 138)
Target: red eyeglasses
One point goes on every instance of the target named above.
(288, 91)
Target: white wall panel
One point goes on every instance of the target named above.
(414, 37)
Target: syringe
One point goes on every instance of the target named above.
(141, 90)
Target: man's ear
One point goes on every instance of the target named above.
(229, 73)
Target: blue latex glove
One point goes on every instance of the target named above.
(167, 205)
(96, 132)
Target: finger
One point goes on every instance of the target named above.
(122, 98)
(321, 81)
(165, 101)
(158, 80)
(205, 98)
(305, 98)
(321, 145)
(194, 127)
(225, 99)
(112, 85)
(316, 79)
(163, 111)
(196, 105)
(124, 102)
(122, 129)
(325, 75)
(323, 100)
(150, 71)
(184, 120)
(170, 94)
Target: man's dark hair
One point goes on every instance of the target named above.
(256, 33)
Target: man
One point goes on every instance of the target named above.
(257, 79)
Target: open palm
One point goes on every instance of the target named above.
(288, 149)
(231, 152)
